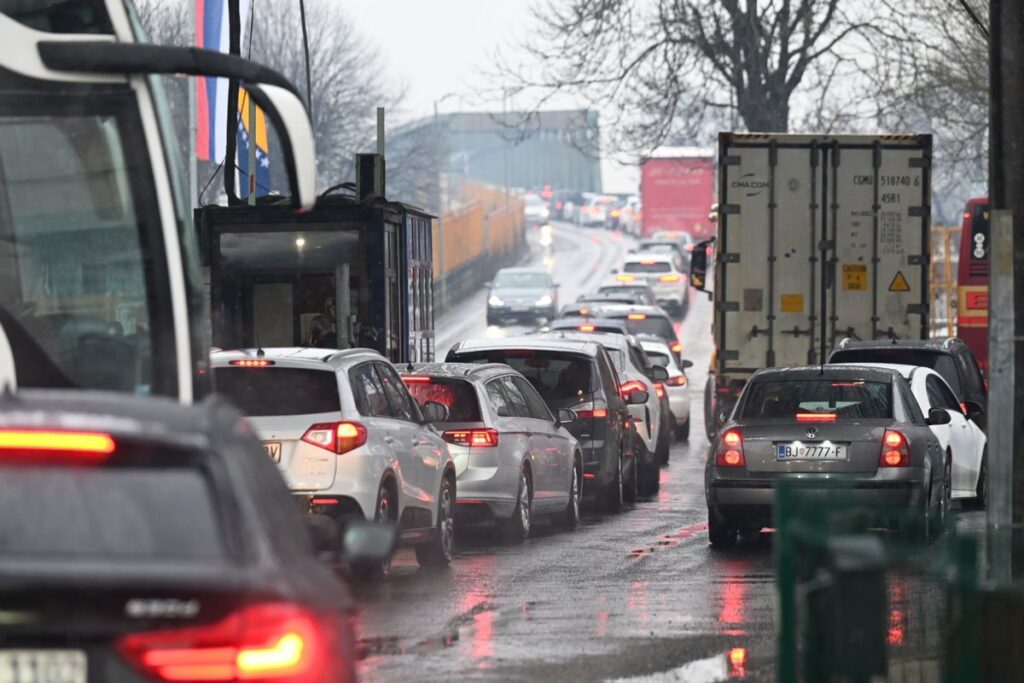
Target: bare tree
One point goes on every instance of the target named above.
(675, 66)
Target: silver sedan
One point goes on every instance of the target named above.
(513, 458)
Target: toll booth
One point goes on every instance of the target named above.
(365, 269)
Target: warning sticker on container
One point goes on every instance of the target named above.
(899, 283)
(792, 303)
(855, 277)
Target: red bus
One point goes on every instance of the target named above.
(972, 280)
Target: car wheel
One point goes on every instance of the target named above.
(570, 517)
(721, 532)
(709, 409)
(662, 452)
(650, 478)
(385, 513)
(683, 431)
(981, 490)
(518, 525)
(613, 492)
(437, 552)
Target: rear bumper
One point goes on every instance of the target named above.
(490, 490)
(599, 462)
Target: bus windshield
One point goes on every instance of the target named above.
(78, 299)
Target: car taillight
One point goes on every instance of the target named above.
(636, 316)
(627, 388)
(483, 438)
(679, 381)
(895, 450)
(730, 449)
(659, 389)
(670, 278)
(815, 417)
(41, 446)
(269, 642)
(586, 328)
(599, 413)
(340, 437)
(416, 379)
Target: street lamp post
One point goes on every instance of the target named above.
(440, 152)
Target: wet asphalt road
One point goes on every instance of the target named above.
(638, 596)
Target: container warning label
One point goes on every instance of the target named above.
(899, 283)
(792, 303)
(855, 277)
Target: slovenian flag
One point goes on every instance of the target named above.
(257, 183)
(212, 33)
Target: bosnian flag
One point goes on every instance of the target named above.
(212, 33)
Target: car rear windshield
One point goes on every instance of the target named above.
(641, 267)
(942, 363)
(556, 375)
(631, 291)
(846, 399)
(121, 513)
(457, 395)
(514, 280)
(658, 358)
(271, 391)
(653, 325)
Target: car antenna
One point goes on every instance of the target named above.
(409, 367)
(259, 349)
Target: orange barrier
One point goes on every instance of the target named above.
(488, 227)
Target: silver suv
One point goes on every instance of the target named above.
(348, 438)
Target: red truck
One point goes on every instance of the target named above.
(677, 188)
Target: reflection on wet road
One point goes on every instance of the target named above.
(639, 596)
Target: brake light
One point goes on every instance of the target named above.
(629, 387)
(586, 328)
(679, 381)
(269, 642)
(616, 213)
(815, 417)
(670, 278)
(676, 347)
(481, 438)
(29, 442)
(584, 311)
(625, 278)
(596, 412)
(659, 389)
(895, 450)
(636, 316)
(416, 379)
(647, 262)
(339, 437)
(730, 449)
(251, 363)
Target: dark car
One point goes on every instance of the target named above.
(950, 357)
(578, 376)
(852, 427)
(599, 325)
(145, 540)
(630, 287)
(624, 296)
(649, 320)
(521, 294)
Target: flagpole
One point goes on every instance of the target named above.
(193, 168)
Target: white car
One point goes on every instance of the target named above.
(348, 439)
(535, 210)
(961, 436)
(663, 273)
(677, 388)
(514, 459)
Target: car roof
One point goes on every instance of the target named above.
(935, 344)
(467, 371)
(650, 256)
(569, 323)
(296, 356)
(827, 371)
(906, 370)
(536, 342)
(626, 309)
(611, 339)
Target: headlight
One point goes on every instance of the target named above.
(545, 213)
(544, 301)
(495, 300)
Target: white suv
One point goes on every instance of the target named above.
(663, 272)
(348, 438)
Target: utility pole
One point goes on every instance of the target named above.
(1006, 286)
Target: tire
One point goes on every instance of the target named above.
(437, 552)
(650, 479)
(570, 517)
(721, 533)
(612, 496)
(935, 515)
(661, 454)
(709, 410)
(981, 490)
(386, 512)
(683, 431)
(517, 527)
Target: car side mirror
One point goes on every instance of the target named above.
(699, 265)
(565, 417)
(657, 373)
(435, 412)
(938, 416)
(637, 398)
(974, 409)
(686, 364)
(365, 542)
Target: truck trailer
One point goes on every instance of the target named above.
(677, 188)
(819, 238)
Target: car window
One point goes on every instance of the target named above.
(538, 409)
(941, 363)
(940, 396)
(402, 405)
(846, 399)
(609, 378)
(910, 403)
(496, 397)
(935, 399)
(647, 267)
(368, 392)
(658, 358)
(556, 375)
(516, 399)
(973, 384)
(457, 395)
(639, 358)
(257, 392)
(652, 324)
